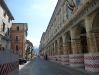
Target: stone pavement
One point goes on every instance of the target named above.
(39, 66)
(80, 69)
(24, 69)
(22, 65)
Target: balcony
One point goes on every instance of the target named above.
(4, 35)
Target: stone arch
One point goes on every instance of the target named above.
(95, 32)
(83, 39)
(80, 35)
(95, 24)
(78, 31)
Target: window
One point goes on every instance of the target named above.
(8, 31)
(4, 14)
(8, 19)
(68, 13)
(78, 2)
(3, 27)
(17, 38)
(17, 48)
(17, 28)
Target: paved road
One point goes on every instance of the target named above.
(38, 66)
(43, 67)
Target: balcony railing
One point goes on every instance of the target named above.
(4, 35)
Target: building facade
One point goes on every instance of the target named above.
(18, 38)
(29, 50)
(72, 35)
(5, 25)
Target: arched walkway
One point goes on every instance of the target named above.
(84, 41)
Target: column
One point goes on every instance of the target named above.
(73, 43)
(92, 42)
(54, 48)
(65, 56)
(58, 48)
(90, 36)
(58, 51)
(64, 44)
(76, 59)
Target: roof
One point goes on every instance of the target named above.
(4, 5)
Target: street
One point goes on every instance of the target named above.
(38, 66)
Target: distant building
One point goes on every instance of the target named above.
(5, 25)
(29, 50)
(42, 44)
(18, 37)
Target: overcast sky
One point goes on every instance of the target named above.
(36, 13)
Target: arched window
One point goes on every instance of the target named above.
(17, 28)
(3, 27)
(17, 48)
(17, 38)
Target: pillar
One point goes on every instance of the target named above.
(54, 48)
(76, 59)
(58, 48)
(64, 44)
(92, 38)
(74, 51)
(93, 45)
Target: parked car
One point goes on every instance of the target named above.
(22, 61)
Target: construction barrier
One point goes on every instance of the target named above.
(91, 61)
(54, 58)
(65, 59)
(76, 60)
(9, 62)
(58, 58)
(51, 58)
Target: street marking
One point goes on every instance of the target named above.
(63, 69)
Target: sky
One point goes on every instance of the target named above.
(36, 13)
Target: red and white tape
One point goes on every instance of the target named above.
(6, 68)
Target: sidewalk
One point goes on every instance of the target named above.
(26, 68)
(80, 69)
(21, 66)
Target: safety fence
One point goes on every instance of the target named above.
(9, 62)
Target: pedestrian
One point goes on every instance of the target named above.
(46, 57)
